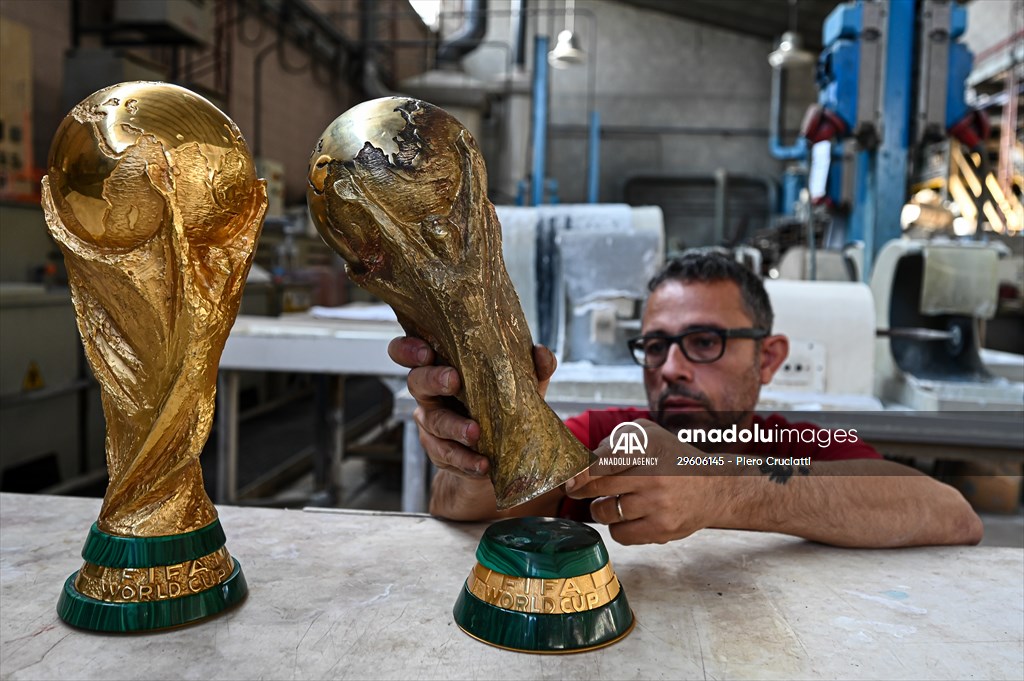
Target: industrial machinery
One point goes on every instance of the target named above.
(892, 80)
(931, 297)
(581, 271)
(831, 328)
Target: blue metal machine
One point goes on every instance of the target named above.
(891, 83)
(891, 79)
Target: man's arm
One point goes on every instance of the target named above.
(859, 503)
(461, 489)
(866, 503)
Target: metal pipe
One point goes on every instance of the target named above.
(519, 31)
(870, 212)
(227, 437)
(540, 118)
(721, 205)
(656, 130)
(921, 334)
(371, 82)
(594, 157)
(798, 149)
(467, 37)
(812, 251)
(257, 96)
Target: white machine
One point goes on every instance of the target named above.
(831, 330)
(581, 271)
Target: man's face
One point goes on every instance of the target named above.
(683, 394)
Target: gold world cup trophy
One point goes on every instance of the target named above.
(398, 188)
(152, 196)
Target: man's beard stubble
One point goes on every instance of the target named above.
(675, 419)
(735, 412)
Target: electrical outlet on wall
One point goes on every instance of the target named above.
(804, 368)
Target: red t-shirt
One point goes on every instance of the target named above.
(592, 426)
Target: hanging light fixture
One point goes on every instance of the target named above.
(567, 51)
(790, 51)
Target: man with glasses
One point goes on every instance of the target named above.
(707, 348)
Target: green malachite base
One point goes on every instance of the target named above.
(113, 551)
(537, 633)
(542, 548)
(89, 613)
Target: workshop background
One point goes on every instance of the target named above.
(666, 124)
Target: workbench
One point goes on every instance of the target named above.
(895, 431)
(344, 594)
(335, 348)
(300, 343)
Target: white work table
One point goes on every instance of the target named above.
(893, 430)
(337, 347)
(354, 595)
(299, 343)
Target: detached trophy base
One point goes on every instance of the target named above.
(543, 585)
(143, 583)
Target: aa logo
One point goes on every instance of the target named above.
(629, 438)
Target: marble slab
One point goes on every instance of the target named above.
(369, 596)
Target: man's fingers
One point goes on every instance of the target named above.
(578, 481)
(451, 456)
(588, 485)
(426, 383)
(447, 425)
(617, 509)
(626, 520)
(636, 532)
(410, 352)
(583, 485)
(544, 362)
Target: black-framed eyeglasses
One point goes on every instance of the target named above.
(700, 345)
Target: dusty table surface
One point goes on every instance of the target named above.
(361, 595)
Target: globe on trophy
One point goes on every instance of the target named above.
(151, 194)
(398, 188)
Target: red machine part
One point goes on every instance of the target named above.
(972, 129)
(820, 124)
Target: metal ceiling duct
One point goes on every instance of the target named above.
(467, 38)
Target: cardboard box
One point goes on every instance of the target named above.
(989, 487)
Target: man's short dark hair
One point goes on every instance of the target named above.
(711, 265)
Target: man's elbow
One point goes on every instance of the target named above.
(969, 528)
(965, 527)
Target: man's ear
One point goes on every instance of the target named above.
(774, 350)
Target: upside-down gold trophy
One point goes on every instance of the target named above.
(398, 188)
(152, 196)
